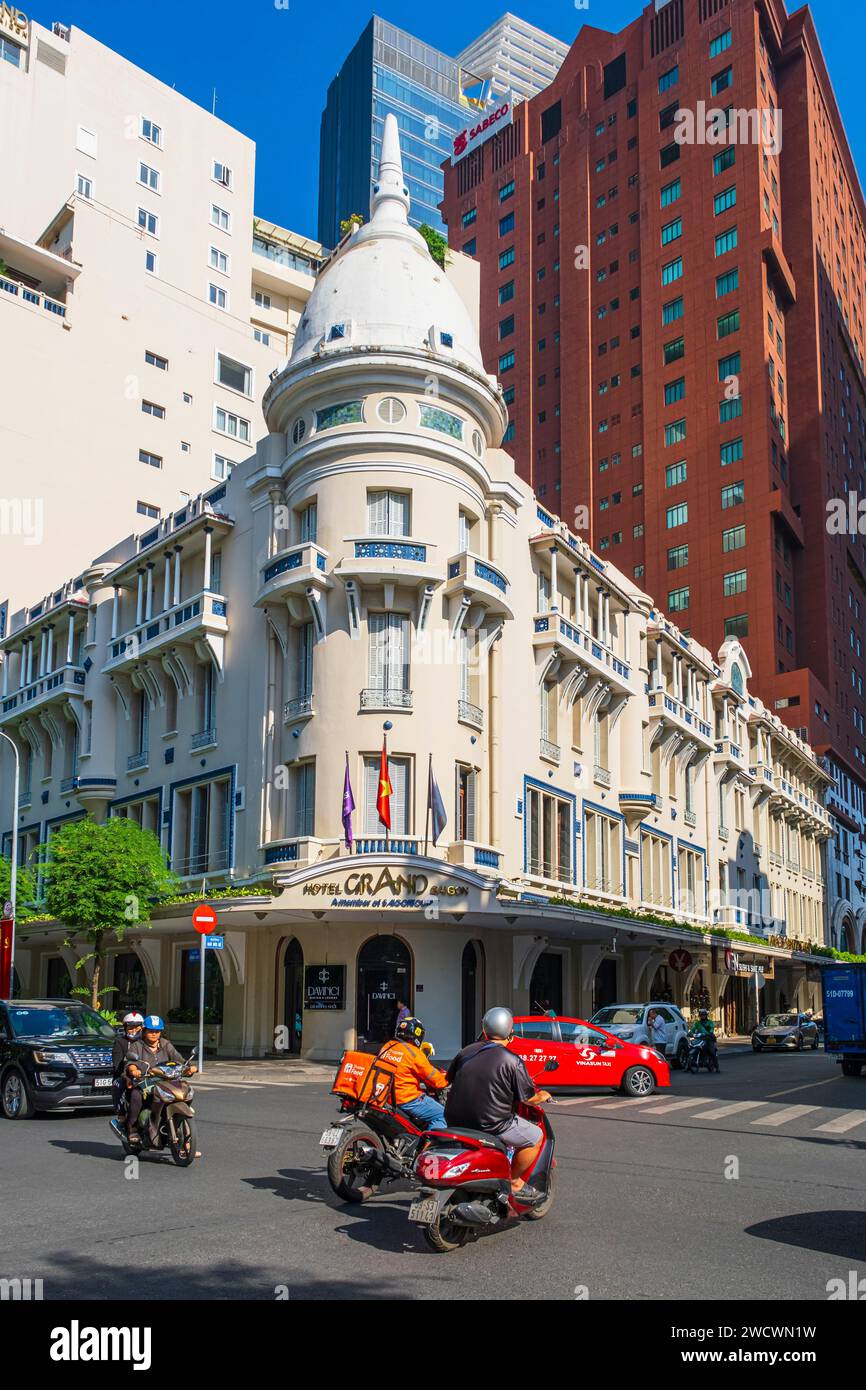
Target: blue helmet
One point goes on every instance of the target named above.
(154, 1024)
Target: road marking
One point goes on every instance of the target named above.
(736, 1108)
(578, 1100)
(774, 1095)
(627, 1101)
(842, 1123)
(679, 1105)
(787, 1112)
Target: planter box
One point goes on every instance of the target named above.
(186, 1034)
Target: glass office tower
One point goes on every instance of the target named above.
(388, 70)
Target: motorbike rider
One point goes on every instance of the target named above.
(150, 1050)
(487, 1081)
(413, 1072)
(703, 1026)
(132, 1024)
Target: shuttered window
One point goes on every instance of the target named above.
(398, 774)
(388, 513)
(389, 652)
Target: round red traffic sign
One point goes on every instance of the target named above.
(204, 918)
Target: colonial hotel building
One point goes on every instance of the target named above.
(377, 568)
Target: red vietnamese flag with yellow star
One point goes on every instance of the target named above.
(383, 800)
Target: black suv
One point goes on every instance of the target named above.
(55, 1054)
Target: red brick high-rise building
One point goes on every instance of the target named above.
(679, 328)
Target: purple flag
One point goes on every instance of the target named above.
(348, 806)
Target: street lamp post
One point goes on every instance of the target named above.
(13, 868)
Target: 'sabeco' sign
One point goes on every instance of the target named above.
(471, 136)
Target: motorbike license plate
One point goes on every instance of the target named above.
(102, 1080)
(331, 1138)
(424, 1211)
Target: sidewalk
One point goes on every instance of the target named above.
(738, 1042)
(264, 1071)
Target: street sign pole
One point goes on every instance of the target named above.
(201, 1008)
(204, 920)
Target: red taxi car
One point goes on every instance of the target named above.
(567, 1052)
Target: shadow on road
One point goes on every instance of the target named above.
(841, 1233)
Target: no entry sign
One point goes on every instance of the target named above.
(204, 918)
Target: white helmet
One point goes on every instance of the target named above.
(132, 1020)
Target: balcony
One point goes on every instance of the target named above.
(549, 751)
(470, 714)
(390, 560)
(94, 788)
(636, 806)
(35, 298)
(601, 775)
(137, 761)
(670, 715)
(387, 698)
(205, 738)
(299, 708)
(575, 644)
(472, 579)
(763, 782)
(64, 684)
(291, 572)
(393, 844)
(728, 760)
(473, 855)
(203, 618)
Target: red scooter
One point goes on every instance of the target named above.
(466, 1181)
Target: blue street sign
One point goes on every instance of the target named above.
(215, 943)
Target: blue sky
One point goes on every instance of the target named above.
(271, 67)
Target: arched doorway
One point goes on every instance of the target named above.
(604, 989)
(384, 977)
(293, 994)
(472, 991)
(130, 985)
(661, 991)
(545, 987)
(848, 936)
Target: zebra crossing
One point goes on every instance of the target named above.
(758, 1114)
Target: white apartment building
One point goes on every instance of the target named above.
(142, 306)
(376, 571)
(517, 57)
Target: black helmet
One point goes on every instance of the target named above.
(410, 1030)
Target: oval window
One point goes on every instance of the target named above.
(391, 410)
(299, 429)
(737, 679)
(477, 442)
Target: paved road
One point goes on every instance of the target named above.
(747, 1185)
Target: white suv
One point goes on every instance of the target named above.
(629, 1022)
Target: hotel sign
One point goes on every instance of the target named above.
(487, 124)
(746, 964)
(385, 888)
(13, 22)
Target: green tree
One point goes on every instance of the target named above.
(349, 223)
(24, 893)
(101, 880)
(436, 243)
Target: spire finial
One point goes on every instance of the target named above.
(390, 200)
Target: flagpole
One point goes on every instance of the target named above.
(387, 827)
(429, 799)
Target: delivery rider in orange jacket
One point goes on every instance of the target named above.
(414, 1075)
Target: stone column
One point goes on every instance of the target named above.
(177, 554)
(208, 532)
(70, 639)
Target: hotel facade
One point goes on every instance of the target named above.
(377, 572)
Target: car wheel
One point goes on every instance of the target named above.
(799, 1042)
(850, 1068)
(15, 1096)
(815, 1043)
(756, 1046)
(638, 1081)
(681, 1056)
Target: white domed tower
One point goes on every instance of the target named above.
(386, 547)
